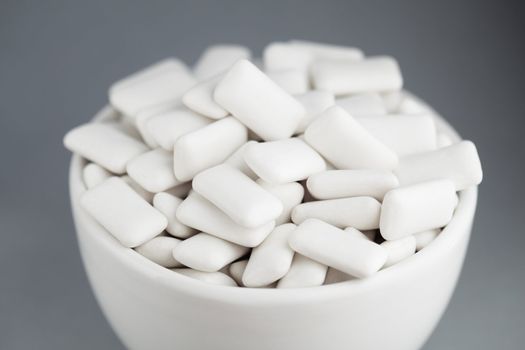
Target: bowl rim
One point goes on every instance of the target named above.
(157, 274)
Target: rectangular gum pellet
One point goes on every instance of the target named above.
(274, 117)
(168, 126)
(142, 118)
(160, 83)
(208, 253)
(159, 250)
(93, 174)
(359, 212)
(206, 147)
(270, 260)
(283, 161)
(304, 272)
(458, 162)
(104, 145)
(399, 249)
(332, 184)
(410, 209)
(374, 74)
(299, 54)
(199, 213)
(336, 248)
(153, 170)
(339, 137)
(241, 198)
(121, 211)
(404, 133)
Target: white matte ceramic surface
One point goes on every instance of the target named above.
(151, 307)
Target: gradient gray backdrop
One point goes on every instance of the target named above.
(57, 60)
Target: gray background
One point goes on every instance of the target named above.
(57, 60)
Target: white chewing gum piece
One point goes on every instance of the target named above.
(304, 272)
(150, 72)
(299, 54)
(274, 117)
(333, 184)
(217, 58)
(93, 174)
(270, 260)
(458, 162)
(403, 133)
(399, 249)
(363, 104)
(207, 253)
(236, 271)
(280, 56)
(104, 145)
(217, 278)
(142, 118)
(161, 83)
(121, 211)
(199, 213)
(168, 204)
(314, 102)
(200, 98)
(236, 160)
(283, 161)
(424, 238)
(148, 196)
(293, 81)
(238, 196)
(206, 147)
(415, 208)
(168, 126)
(374, 74)
(153, 170)
(160, 251)
(359, 212)
(290, 194)
(338, 249)
(344, 142)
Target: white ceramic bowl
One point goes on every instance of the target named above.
(150, 307)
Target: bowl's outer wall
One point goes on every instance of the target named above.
(396, 309)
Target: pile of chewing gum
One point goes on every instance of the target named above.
(311, 166)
